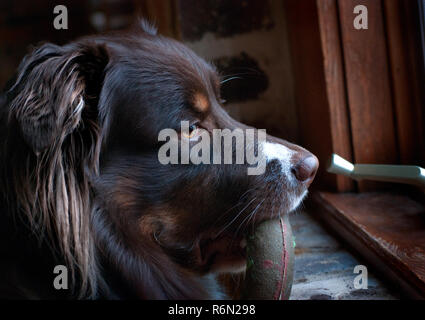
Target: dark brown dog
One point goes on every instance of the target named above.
(81, 184)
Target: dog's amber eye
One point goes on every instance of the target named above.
(193, 132)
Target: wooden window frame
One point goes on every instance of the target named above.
(359, 94)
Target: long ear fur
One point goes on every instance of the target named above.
(53, 105)
(50, 89)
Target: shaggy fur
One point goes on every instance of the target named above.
(81, 185)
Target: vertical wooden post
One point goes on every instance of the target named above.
(335, 84)
(408, 108)
(319, 83)
(368, 86)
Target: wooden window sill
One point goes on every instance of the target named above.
(387, 229)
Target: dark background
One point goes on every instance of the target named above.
(247, 39)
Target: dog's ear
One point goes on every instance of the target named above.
(54, 87)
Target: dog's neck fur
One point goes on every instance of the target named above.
(28, 263)
(27, 269)
(29, 255)
(161, 279)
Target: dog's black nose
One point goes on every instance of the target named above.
(306, 168)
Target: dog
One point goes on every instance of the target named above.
(81, 185)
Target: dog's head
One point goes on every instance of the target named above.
(91, 113)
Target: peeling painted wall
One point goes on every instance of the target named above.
(246, 40)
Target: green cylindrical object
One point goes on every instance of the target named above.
(270, 262)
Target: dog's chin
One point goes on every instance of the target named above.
(227, 253)
(297, 201)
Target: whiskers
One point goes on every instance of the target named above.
(246, 222)
(248, 72)
(229, 79)
(240, 202)
(237, 216)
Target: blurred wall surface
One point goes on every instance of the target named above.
(246, 40)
